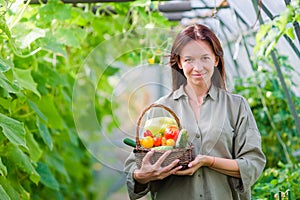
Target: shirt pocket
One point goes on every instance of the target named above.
(218, 141)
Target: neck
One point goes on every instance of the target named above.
(196, 93)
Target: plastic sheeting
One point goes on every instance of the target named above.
(230, 23)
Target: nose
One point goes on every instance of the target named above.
(198, 65)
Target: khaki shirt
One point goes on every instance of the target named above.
(226, 128)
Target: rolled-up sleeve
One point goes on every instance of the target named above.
(247, 149)
(135, 189)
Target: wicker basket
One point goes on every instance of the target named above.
(185, 155)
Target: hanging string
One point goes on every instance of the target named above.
(215, 19)
(215, 10)
(258, 13)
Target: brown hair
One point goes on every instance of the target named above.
(196, 32)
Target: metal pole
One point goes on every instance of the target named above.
(286, 92)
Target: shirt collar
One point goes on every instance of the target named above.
(212, 92)
(179, 93)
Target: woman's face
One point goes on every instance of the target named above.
(197, 60)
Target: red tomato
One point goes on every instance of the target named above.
(157, 141)
(171, 132)
(148, 133)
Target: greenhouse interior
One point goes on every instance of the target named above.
(77, 76)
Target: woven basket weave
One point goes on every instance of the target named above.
(185, 155)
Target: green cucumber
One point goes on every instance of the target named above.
(129, 142)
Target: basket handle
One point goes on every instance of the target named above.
(143, 113)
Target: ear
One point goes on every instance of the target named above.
(179, 65)
(217, 61)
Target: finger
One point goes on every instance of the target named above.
(162, 158)
(182, 172)
(147, 157)
(179, 173)
(176, 169)
(171, 166)
(193, 163)
(188, 171)
(172, 171)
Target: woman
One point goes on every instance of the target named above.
(227, 144)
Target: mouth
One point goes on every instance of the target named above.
(198, 75)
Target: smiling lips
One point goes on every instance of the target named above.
(198, 75)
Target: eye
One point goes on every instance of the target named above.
(205, 59)
(187, 60)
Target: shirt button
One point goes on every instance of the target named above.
(197, 135)
(200, 195)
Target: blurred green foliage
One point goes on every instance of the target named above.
(280, 178)
(42, 48)
(267, 97)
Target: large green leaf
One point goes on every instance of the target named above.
(13, 130)
(44, 133)
(47, 177)
(5, 102)
(13, 188)
(19, 159)
(25, 80)
(81, 17)
(3, 194)
(34, 150)
(69, 36)
(37, 110)
(52, 76)
(3, 169)
(73, 136)
(55, 10)
(34, 34)
(47, 106)
(7, 85)
(56, 161)
(50, 43)
(4, 66)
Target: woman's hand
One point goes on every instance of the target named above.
(150, 172)
(223, 165)
(199, 161)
